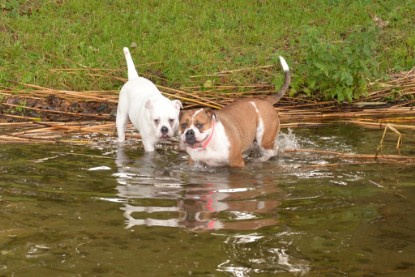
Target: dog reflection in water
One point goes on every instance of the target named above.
(226, 201)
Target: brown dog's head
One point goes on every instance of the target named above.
(195, 126)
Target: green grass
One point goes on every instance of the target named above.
(177, 39)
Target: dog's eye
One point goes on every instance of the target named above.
(184, 126)
(199, 126)
(171, 121)
(156, 121)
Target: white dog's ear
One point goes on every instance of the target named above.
(148, 104)
(177, 104)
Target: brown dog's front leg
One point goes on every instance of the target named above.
(190, 162)
(237, 161)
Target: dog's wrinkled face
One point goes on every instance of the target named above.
(195, 126)
(164, 116)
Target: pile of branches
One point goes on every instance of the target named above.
(33, 104)
(36, 103)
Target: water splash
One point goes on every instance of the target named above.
(287, 141)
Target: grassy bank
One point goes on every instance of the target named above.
(77, 44)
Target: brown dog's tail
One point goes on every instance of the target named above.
(276, 97)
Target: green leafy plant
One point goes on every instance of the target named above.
(339, 70)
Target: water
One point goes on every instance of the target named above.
(103, 210)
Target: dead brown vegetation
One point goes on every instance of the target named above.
(36, 114)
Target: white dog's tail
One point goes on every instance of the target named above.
(132, 72)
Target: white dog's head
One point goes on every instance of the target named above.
(164, 116)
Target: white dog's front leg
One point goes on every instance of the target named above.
(121, 123)
(148, 144)
(122, 116)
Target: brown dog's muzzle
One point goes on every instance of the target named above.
(190, 137)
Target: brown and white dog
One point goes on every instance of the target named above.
(218, 138)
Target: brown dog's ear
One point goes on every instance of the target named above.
(183, 112)
(212, 114)
(215, 116)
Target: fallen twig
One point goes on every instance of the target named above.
(398, 144)
(385, 158)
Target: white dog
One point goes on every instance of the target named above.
(154, 116)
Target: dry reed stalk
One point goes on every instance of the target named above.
(412, 71)
(76, 94)
(70, 123)
(226, 72)
(107, 76)
(216, 96)
(354, 162)
(13, 139)
(405, 104)
(102, 130)
(82, 155)
(45, 137)
(215, 106)
(381, 125)
(66, 129)
(200, 100)
(392, 158)
(228, 87)
(398, 144)
(311, 104)
(58, 130)
(21, 117)
(101, 126)
(18, 124)
(33, 131)
(83, 69)
(7, 138)
(27, 95)
(99, 116)
(302, 124)
(5, 93)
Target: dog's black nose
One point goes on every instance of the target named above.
(190, 133)
(164, 130)
(190, 137)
